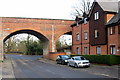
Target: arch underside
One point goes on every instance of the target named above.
(69, 33)
(44, 40)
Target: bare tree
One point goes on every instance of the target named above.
(10, 44)
(82, 7)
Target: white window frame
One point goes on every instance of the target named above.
(85, 50)
(77, 24)
(98, 49)
(111, 30)
(85, 20)
(96, 16)
(112, 49)
(96, 33)
(77, 37)
(85, 35)
(77, 50)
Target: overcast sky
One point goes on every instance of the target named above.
(55, 9)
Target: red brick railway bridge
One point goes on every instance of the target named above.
(47, 30)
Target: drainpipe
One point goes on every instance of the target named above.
(81, 38)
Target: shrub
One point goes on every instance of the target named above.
(102, 59)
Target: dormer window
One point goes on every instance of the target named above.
(85, 20)
(96, 16)
(77, 23)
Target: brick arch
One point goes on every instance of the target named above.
(67, 32)
(51, 29)
(40, 36)
(28, 31)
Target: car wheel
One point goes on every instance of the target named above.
(62, 62)
(57, 62)
(75, 65)
(88, 66)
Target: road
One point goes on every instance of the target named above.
(29, 67)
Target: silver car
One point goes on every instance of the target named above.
(78, 61)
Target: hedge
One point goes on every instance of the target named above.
(102, 59)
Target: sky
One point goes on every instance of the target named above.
(52, 9)
(55, 9)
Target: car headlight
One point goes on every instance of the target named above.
(66, 60)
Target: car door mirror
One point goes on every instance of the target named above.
(72, 58)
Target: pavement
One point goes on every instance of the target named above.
(7, 69)
(110, 71)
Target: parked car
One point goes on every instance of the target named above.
(78, 61)
(62, 59)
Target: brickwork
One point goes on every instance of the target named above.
(82, 43)
(53, 56)
(83, 49)
(48, 30)
(93, 49)
(95, 45)
(113, 40)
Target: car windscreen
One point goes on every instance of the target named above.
(65, 57)
(79, 58)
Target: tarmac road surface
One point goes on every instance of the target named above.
(29, 67)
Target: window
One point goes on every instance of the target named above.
(85, 35)
(96, 34)
(77, 37)
(77, 24)
(98, 50)
(85, 50)
(77, 50)
(112, 49)
(85, 20)
(112, 30)
(96, 15)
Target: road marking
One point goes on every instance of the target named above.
(105, 74)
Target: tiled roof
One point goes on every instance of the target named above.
(108, 5)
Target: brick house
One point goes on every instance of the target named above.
(90, 32)
(80, 32)
(113, 28)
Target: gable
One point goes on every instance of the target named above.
(95, 7)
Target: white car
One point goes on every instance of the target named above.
(78, 61)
